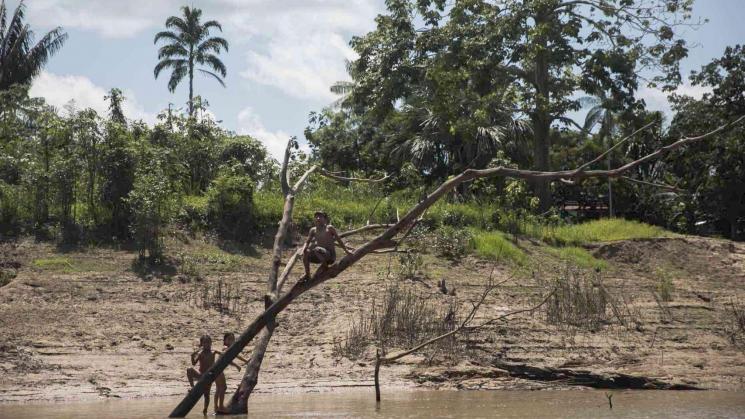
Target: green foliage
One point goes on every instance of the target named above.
(452, 242)
(713, 173)
(410, 264)
(247, 156)
(493, 245)
(230, 207)
(152, 203)
(193, 213)
(21, 59)
(118, 161)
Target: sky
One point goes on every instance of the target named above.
(284, 55)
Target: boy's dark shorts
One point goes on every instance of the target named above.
(320, 254)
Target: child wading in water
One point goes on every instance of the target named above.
(220, 385)
(319, 247)
(205, 356)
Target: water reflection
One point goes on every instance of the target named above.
(426, 404)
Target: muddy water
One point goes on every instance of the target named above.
(427, 404)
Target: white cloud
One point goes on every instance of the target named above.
(250, 124)
(59, 90)
(112, 19)
(297, 46)
(305, 47)
(656, 99)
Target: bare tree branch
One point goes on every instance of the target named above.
(655, 184)
(353, 179)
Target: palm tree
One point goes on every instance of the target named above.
(20, 62)
(188, 43)
(600, 115)
(343, 88)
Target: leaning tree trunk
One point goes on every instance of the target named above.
(239, 401)
(386, 240)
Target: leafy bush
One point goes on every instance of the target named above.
(452, 243)
(152, 203)
(193, 213)
(230, 207)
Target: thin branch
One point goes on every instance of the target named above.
(352, 179)
(512, 313)
(369, 217)
(365, 228)
(615, 146)
(655, 184)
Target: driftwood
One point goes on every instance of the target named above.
(386, 239)
(587, 378)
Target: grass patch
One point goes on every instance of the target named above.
(494, 245)
(579, 257)
(609, 229)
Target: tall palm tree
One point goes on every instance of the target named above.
(600, 115)
(20, 59)
(188, 43)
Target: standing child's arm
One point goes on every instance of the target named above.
(233, 363)
(196, 355)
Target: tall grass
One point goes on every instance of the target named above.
(579, 257)
(494, 245)
(609, 229)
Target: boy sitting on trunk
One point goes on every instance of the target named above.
(319, 247)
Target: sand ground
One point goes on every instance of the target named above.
(82, 324)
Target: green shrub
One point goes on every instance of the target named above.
(230, 207)
(452, 243)
(151, 201)
(193, 213)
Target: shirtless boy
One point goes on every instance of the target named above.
(319, 247)
(206, 357)
(220, 385)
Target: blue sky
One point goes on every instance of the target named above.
(283, 56)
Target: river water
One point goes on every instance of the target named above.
(426, 404)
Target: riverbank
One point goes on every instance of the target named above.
(88, 324)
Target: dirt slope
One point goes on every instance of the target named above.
(84, 325)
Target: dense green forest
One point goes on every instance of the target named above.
(436, 89)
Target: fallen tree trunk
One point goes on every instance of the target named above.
(386, 239)
(587, 378)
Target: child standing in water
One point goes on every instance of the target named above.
(205, 357)
(220, 383)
